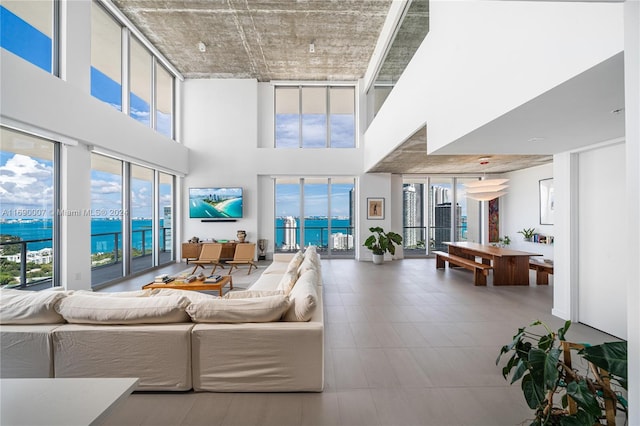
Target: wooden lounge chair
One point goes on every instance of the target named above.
(243, 255)
(209, 255)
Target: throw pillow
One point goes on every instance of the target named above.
(83, 309)
(256, 309)
(29, 307)
(295, 262)
(304, 298)
(193, 296)
(287, 281)
(307, 265)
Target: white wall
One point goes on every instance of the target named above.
(508, 45)
(520, 208)
(602, 289)
(220, 119)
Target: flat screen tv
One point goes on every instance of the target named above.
(215, 203)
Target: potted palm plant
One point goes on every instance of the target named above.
(381, 242)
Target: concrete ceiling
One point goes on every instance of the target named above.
(411, 158)
(262, 39)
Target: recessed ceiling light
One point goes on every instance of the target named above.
(535, 139)
(312, 47)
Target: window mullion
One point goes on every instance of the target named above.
(126, 102)
(300, 136)
(328, 98)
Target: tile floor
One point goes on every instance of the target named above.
(405, 344)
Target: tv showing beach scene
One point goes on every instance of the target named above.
(215, 203)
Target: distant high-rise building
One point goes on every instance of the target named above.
(167, 225)
(413, 220)
(290, 233)
(340, 241)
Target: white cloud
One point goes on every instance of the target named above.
(24, 181)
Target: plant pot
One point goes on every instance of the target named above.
(378, 259)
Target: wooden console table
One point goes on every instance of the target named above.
(191, 251)
(510, 267)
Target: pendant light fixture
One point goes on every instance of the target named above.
(486, 189)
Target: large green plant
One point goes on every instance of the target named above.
(381, 242)
(536, 359)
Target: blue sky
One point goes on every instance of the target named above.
(314, 130)
(315, 200)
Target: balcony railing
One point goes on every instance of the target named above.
(316, 235)
(38, 263)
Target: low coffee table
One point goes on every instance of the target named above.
(200, 285)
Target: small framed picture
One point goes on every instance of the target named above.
(375, 208)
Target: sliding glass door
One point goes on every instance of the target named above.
(326, 206)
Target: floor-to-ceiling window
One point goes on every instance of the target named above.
(440, 213)
(314, 117)
(106, 57)
(436, 210)
(315, 211)
(107, 216)
(28, 225)
(140, 82)
(342, 119)
(141, 218)
(164, 101)
(165, 209)
(468, 225)
(27, 30)
(287, 214)
(341, 216)
(122, 223)
(413, 217)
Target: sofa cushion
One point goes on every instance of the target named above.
(266, 282)
(256, 309)
(84, 309)
(304, 298)
(246, 294)
(30, 307)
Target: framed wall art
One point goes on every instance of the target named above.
(375, 208)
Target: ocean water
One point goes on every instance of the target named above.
(104, 233)
(316, 230)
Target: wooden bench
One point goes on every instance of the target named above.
(480, 270)
(542, 269)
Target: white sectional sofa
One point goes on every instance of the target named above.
(269, 338)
